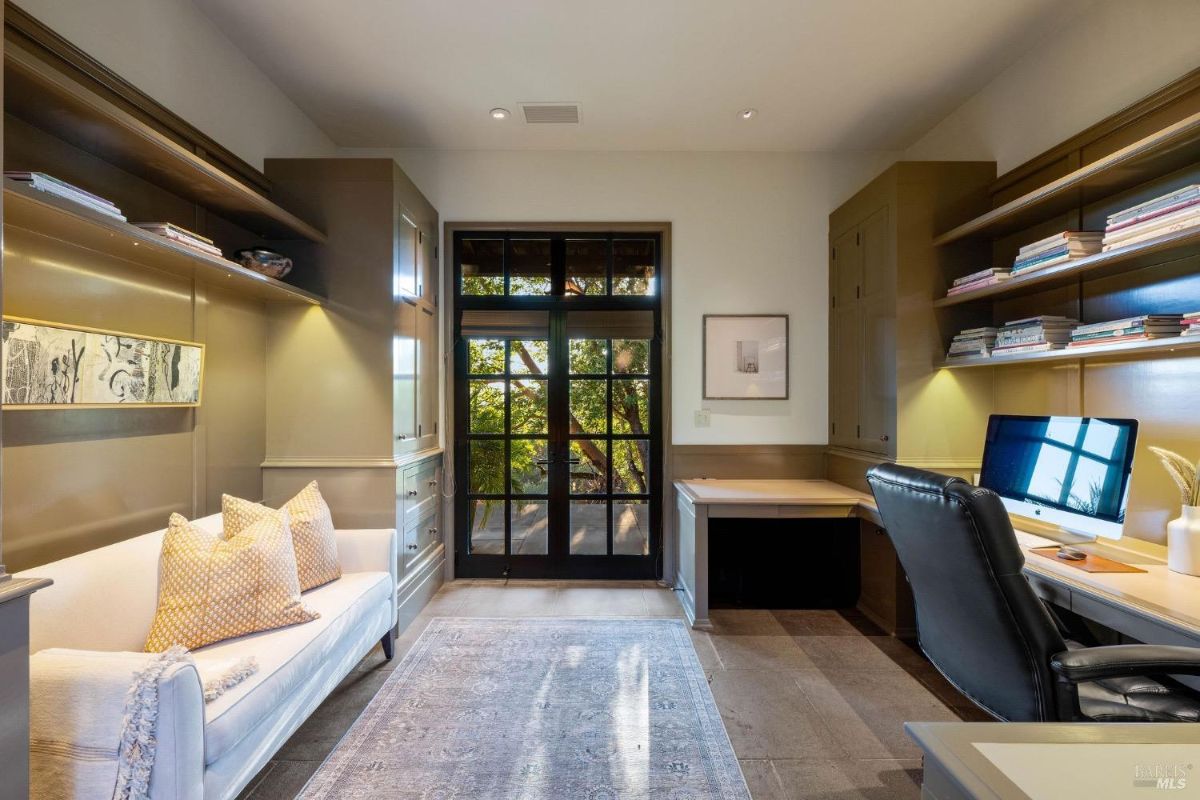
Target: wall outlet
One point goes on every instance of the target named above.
(703, 418)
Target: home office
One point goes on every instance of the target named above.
(549, 400)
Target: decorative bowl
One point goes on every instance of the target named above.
(264, 261)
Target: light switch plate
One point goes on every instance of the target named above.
(703, 418)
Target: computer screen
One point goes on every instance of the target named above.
(1070, 471)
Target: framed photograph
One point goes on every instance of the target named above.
(745, 357)
(49, 365)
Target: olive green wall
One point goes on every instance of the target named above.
(76, 479)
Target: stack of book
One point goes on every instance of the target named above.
(1191, 323)
(51, 185)
(972, 343)
(1175, 211)
(1057, 249)
(979, 280)
(1130, 329)
(182, 236)
(1034, 334)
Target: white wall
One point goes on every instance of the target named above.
(749, 234)
(1105, 59)
(175, 54)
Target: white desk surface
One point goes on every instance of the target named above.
(772, 492)
(1167, 597)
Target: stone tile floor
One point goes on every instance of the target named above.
(813, 701)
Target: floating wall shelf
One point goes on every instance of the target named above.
(43, 214)
(1118, 350)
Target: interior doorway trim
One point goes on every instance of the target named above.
(663, 230)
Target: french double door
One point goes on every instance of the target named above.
(558, 423)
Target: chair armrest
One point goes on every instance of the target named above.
(77, 707)
(371, 550)
(1126, 660)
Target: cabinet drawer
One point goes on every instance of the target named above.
(419, 538)
(419, 483)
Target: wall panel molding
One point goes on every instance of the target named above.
(759, 461)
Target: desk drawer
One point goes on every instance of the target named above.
(1129, 622)
(1050, 592)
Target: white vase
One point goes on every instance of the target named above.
(1183, 542)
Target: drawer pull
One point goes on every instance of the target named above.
(412, 547)
(433, 531)
(412, 492)
(433, 483)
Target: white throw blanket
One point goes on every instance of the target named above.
(74, 751)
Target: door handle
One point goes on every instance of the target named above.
(544, 461)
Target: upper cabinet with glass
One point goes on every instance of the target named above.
(537, 265)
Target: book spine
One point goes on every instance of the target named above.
(1151, 205)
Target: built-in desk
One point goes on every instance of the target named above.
(1033, 760)
(1157, 606)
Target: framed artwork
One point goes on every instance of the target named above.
(49, 365)
(745, 357)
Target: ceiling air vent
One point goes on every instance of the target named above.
(551, 113)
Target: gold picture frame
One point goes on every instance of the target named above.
(61, 366)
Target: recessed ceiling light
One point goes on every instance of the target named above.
(499, 113)
(748, 113)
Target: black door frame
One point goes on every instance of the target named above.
(558, 563)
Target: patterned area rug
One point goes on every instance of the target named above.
(540, 709)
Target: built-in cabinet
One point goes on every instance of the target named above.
(883, 276)
(354, 390)
(883, 342)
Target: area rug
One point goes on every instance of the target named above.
(539, 709)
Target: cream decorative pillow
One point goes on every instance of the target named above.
(212, 588)
(312, 532)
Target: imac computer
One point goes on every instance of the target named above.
(1068, 471)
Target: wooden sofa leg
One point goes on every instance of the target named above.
(389, 645)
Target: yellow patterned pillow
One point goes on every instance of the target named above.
(312, 532)
(212, 588)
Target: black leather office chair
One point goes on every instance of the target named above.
(982, 626)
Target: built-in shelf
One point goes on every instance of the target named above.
(47, 99)
(1158, 154)
(1148, 348)
(44, 214)
(1163, 249)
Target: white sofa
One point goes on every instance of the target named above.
(101, 606)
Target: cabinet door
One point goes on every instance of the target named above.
(404, 378)
(406, 253)
(428, 376)
(427, 266)
(877, 338)
(844, 348)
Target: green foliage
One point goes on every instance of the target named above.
(529, 357)
(483, 285)
(631, 406)
(589, 357)
(588, 400)
(486, 407)
(528, 406)
(631, 356)
(485, 357)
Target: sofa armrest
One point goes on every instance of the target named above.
(77, 707)
(369, 550)
(1126, 660)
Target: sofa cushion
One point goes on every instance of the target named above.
(211, 588)
(313, 536)
(85, 609)
(287, 656)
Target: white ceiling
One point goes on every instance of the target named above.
(825, 75)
